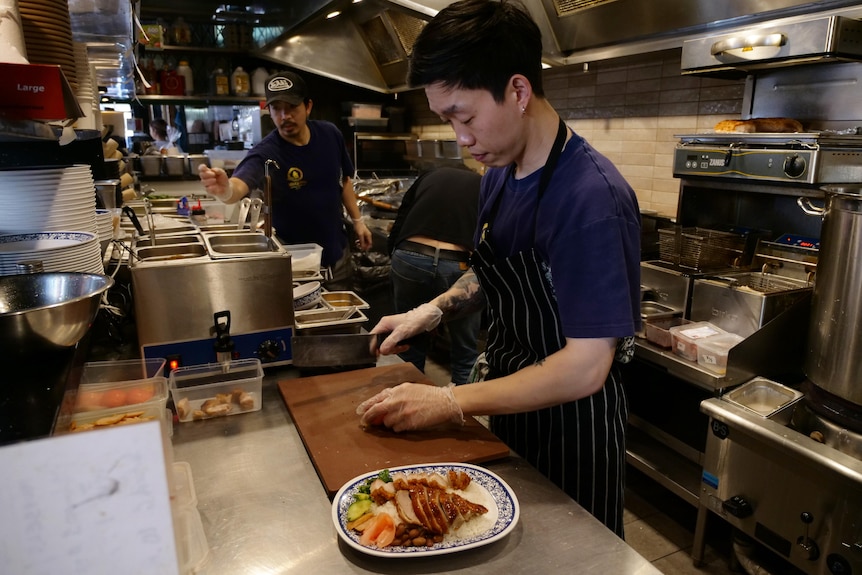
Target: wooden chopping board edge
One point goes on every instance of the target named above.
(323, 410)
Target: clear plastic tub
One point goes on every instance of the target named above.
(658, 331)
(183, 492)
(215, 390)
(712, 352)
(122, 384)
(304, 258)
(191, 540)
(686, 337)
(106, 418)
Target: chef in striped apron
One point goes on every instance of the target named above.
(557, 263)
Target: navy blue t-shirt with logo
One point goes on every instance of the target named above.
(307, 189)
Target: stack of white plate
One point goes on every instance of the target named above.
(47, 198)
(105, 224)
(59, 251)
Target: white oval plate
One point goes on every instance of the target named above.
(508, 510)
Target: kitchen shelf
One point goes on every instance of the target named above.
(203, 100)
(199, 49)
(648, 452)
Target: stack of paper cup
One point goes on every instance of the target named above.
(13, 49)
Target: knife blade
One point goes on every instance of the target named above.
(334, 350)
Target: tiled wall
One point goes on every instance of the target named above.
(630, 111)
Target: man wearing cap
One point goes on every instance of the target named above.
(309, 186)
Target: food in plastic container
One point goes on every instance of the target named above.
(215, 389)
(712, 352)
(686, 337)
(658, 331)
(126, 383)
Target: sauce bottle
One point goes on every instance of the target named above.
(219, 83)
(186, 72)
(239, 82)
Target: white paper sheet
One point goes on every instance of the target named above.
(94, 502)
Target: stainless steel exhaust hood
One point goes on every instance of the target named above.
(369, 43)
(366, 45)
(814, 40)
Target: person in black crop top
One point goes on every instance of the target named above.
(430, 244)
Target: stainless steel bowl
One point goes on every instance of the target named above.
(45, 311)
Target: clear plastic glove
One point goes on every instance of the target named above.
(411, 406)
(405, 325)
(216, 182)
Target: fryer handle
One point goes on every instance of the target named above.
(809, 208)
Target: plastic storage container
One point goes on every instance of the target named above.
(192, 546)
(712, 352)
(304, 259)
(106, 418)
(215, 390)
(685, 338)
(122, 384)
(658, 331)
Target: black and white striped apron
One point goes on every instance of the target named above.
(580, 445)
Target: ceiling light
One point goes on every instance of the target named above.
(333, 14)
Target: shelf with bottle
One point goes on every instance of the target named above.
(185, 78)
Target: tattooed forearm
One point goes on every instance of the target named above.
(463, 297)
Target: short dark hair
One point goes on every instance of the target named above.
(160, 126)
(478, 45)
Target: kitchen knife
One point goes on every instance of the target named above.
(333, 350)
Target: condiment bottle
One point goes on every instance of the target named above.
(219, 83)
(239, 82)
(258, 81)
(199, 215)
(181, 32)
(186, 72)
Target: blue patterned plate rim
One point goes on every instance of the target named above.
(508, 511)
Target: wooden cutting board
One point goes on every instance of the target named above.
(323, 407)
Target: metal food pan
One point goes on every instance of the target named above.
(766, 398)
(344, 299)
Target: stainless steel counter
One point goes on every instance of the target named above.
(264, 509)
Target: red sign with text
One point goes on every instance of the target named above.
(36, 92)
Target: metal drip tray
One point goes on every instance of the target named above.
(172, 252)
(222, 245)
(146, 241)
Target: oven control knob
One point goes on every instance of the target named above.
(794, 166)
(268, 350)
(838, 565)
(738, 506)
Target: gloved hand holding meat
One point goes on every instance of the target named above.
(411, 406)
(405, 325)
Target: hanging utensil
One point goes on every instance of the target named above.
(267, 198)
(254, 214)
(244, 205)
(151, 224)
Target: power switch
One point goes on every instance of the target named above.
(738, 507)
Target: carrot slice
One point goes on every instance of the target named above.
(380, 531)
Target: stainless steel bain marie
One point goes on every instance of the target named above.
(180, 286)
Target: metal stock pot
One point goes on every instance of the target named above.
(834, 358)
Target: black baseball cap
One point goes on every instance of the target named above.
(287, 87)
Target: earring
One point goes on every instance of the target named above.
(523, 111)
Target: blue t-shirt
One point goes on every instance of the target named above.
(307, 189)
(587, 231)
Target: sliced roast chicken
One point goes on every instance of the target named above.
(423, 499)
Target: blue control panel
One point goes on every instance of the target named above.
(271, 347)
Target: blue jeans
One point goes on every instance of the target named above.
(416, 279)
